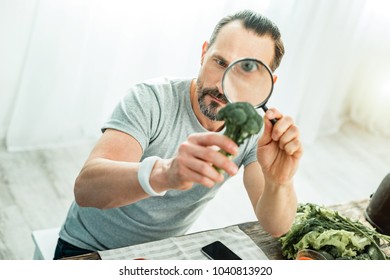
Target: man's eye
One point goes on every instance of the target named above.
(221, 63)
(249, 66)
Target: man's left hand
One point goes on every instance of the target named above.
(279, 148)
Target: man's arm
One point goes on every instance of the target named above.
(269, 182)
(274, 206)
(109, 178)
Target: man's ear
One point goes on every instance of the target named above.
(205, 47)
(275, 78)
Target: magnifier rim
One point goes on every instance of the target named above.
(248, 59)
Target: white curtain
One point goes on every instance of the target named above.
(368, 100)
(67, 63)
(336, 66)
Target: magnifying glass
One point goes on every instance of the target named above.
(248, 80)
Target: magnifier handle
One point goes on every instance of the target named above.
(265, 109)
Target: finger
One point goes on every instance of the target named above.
(289, 135)
(199, 178)
(204, 169)
(273, 113)
(294, 148)
(281, 127)
(208, 157)
(187, 175)
(266, 136)
(214, 139)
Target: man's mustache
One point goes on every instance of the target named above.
(215, 93)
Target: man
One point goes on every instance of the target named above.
(151, 173)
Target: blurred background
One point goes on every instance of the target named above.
(64, 65)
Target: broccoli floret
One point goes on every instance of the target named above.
(241, 122)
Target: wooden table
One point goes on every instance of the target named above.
(270, 245)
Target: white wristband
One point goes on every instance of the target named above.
(145, 168)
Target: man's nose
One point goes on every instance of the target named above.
(219, 86)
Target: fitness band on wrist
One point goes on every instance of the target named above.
(145, 168)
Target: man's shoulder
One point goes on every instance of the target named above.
(163, 91)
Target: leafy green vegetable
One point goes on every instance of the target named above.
(323, 229)
(241, 122)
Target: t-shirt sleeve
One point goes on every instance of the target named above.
(251, 154)
(136, 114)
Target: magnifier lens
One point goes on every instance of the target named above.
(248, 80)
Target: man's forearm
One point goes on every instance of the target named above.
(276, 208)
(104, 183)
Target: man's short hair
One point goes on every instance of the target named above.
(260, 25)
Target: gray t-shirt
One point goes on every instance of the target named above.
(159, 115)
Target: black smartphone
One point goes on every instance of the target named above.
(218, 251)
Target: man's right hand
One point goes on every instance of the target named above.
(194, 163)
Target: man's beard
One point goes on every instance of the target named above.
(211, 110)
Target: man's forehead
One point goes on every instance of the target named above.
(234, 41)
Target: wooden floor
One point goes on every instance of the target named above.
(36, 188)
